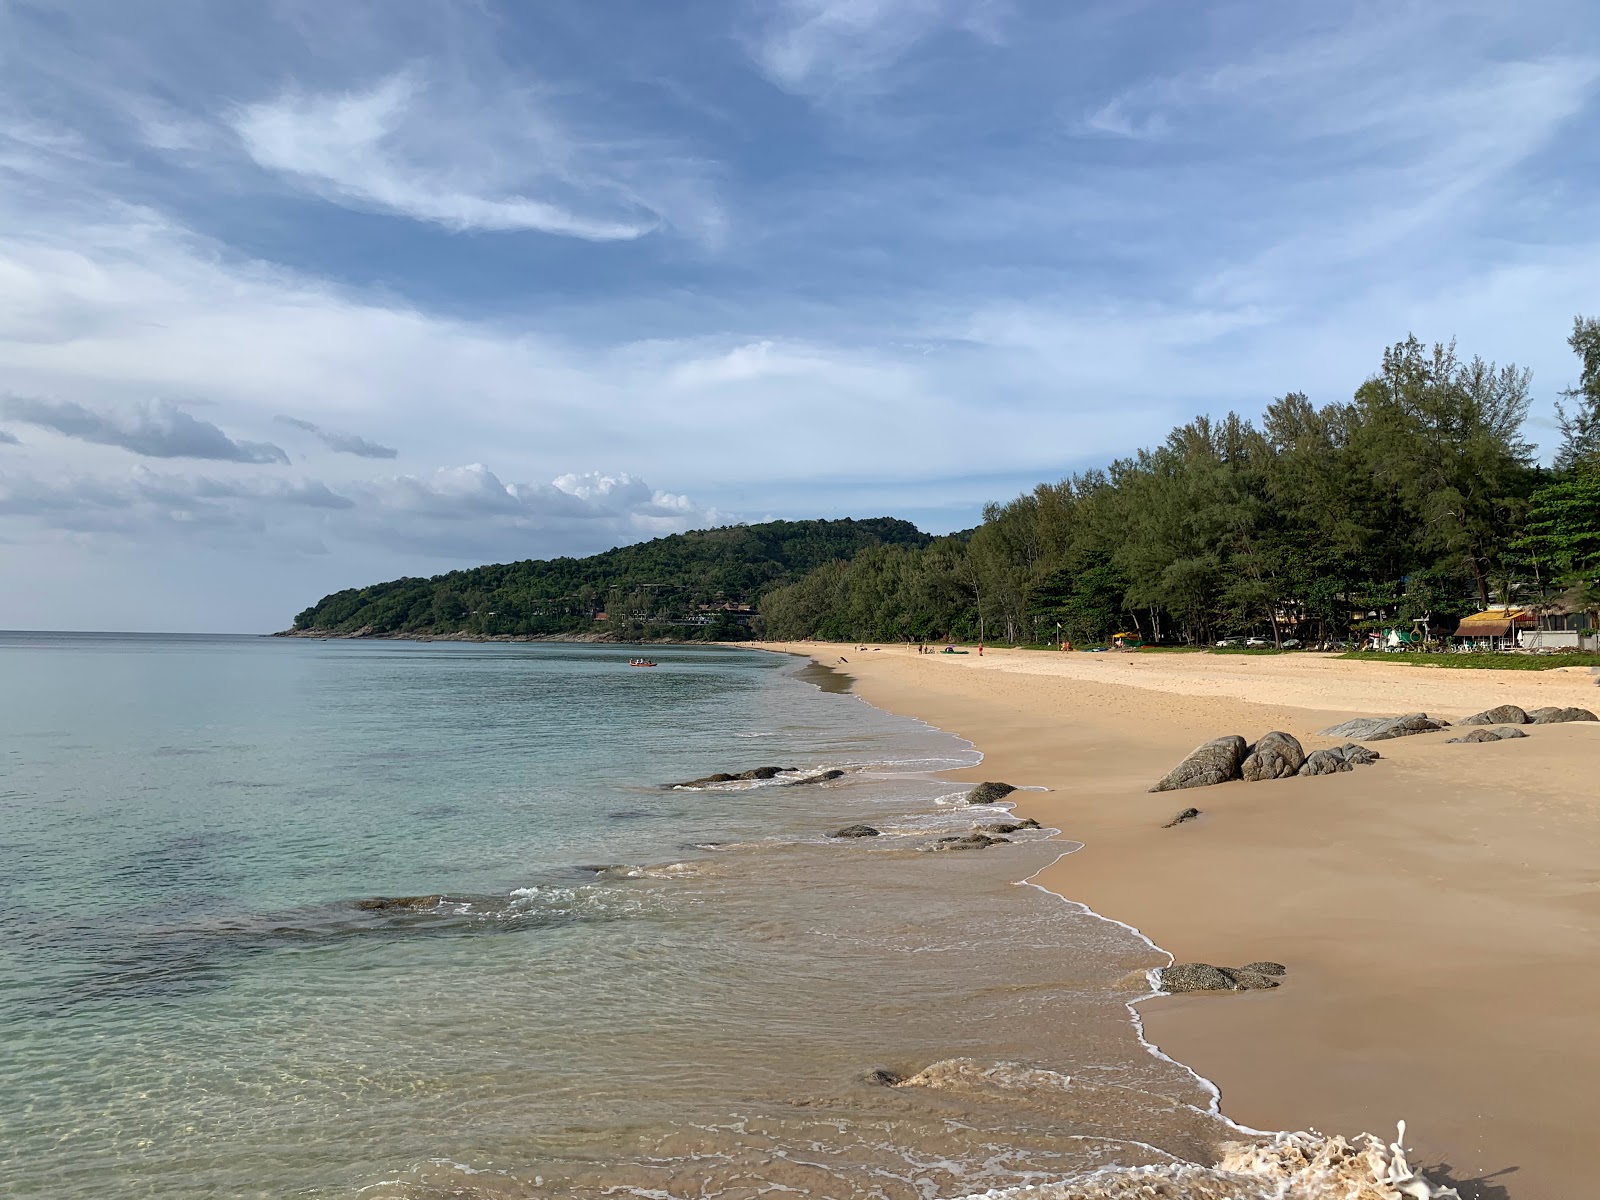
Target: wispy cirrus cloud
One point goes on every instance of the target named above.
(386, 149)
(341, 443)
(155, 429)
(826, 47)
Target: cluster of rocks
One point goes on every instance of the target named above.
(1203, 977)
(981, 835)
(976, 840)
(1382, 729)
(760, 774)
(1277, 755)
(1510, 714)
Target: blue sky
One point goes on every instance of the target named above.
(296, 296)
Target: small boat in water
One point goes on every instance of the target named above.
(641, 662)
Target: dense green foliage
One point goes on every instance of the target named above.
(1481, 662)
(1418, 498)
(688, 585)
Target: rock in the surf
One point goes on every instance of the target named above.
(1497, 734)
(1559, 716)
(819, 777)
(881, 1076)
(856, 831)
(1187, 814)
(1500, 714)
(1380, 729)
(989, 793)
(399, 903)
(1325, 762)
(1277, 755)
(970, 841)
(1203, 977)
(755, 773)
(1010, 826)
(1215, 762)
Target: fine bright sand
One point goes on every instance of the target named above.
(1437, 910)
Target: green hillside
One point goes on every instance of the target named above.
(691, 585)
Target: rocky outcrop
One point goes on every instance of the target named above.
(1325, 762)
(970, 841)
(1187, 814)
(755, 773)
(1215, 762)
(856, 831)
(989, 793)
(1380, 729)
(1358, 756)
(1500, 714)
(1203, 977)
(1559, 716)
(1497, 734)
(1277, 755)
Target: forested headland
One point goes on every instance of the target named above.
(1419, 497)
(700, 585)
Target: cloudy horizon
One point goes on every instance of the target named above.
(296, 297)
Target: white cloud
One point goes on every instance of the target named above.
(381, 149)
(825, 47)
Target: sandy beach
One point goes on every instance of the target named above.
(1437, 910)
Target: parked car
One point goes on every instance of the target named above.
(1228, 642)
(1257, 641)
(1290, 643)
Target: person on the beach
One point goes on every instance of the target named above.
(980, 649)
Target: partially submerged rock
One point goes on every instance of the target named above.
(856, 831)
(1498, 734)
(1215, 762)
(1187, 814)
(1559, 716)
(819, 777)
(970, 841)
(1203, 977)
(989, 793)
(1379, 729)
(399, 903)
(756, 773)
(882, 1076)
(1011, 826)
(1500, 714)
(1277, 755)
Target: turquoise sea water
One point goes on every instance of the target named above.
(620, 988)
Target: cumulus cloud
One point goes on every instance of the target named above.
(374, 149)
(342, 443)
(155, 429)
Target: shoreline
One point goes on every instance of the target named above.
(1436, 909)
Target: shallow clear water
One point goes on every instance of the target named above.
(195, 1002)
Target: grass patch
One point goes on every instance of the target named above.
(1479, 662)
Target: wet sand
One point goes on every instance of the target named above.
(1437, 910)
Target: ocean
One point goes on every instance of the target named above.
(406, 921)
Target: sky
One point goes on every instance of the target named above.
(299, 296)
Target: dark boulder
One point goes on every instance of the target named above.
(856, 831)
(1379, 729)
(1277, 755)
(1011, 826)
(1187, 814)
(1559, 716)
(1203, 977)
(989, 793)
(1498, 734)
(1500, 714)
(1215, 762)
(882, 1077)
(1325, 762)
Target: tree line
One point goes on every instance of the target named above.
(1420, 497)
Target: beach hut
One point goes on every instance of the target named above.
(1495, 628)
